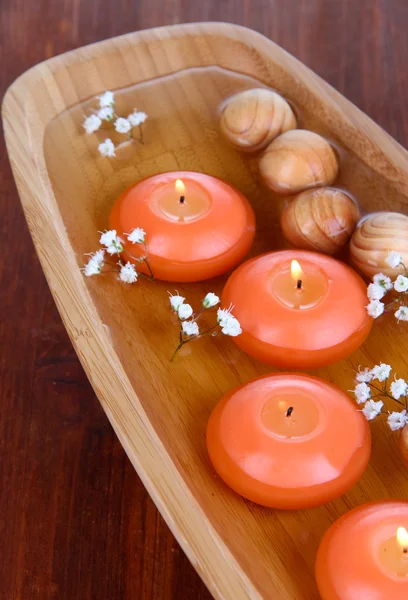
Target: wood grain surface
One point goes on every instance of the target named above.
(75, 521)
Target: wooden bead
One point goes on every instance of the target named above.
(253, 118)
(376, 235)
(322, 219)
(298, 160)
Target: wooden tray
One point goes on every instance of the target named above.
(124, 336)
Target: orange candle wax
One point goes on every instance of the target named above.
(298, 309)
(364, 555)
(288, 441)
(196, 226)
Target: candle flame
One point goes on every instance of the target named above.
(180, 187)
(296, 270)
(402, 538)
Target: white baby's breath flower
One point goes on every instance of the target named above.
(106, 113)
(112, 242)
(95, 263)
(99, 256)
(229, 324)
(223, 314)
(128, 273)
(398, 388)
(136, 236)
(393, 259)
(210, 300)
(231, 327)
(381, 371)
(92, 124)
(401, 284)
(372, 409)
(362, 392)
(397, 420)
(375, 291)
(364, 376)
(383, 280)
(122, 125)
(108, 237)
(107, 148)
(137, 118)
(190, 328)
(185, 311)
(107, 99)
(402, 313)
(92, 268)
(176, 301)
(375, 308)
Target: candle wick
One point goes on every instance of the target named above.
(289, 411)
(299, 284)
(182, 198)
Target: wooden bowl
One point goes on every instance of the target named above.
(124, 336)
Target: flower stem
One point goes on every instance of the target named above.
(384, 393)
(181, 344)
(152, 278)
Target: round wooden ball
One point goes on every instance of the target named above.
(322, 219)
(376, 235)
(298, 160)
(251, 119)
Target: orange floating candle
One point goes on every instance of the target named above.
(280, 441)
(197, 226)
(365, 554)
(298, 309)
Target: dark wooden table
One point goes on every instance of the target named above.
(75, 521)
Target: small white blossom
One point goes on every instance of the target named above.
(107, 148)
(223, 314)
(95, 263)
(381, 372)
(108, 237)
(372, 409)
(176, 301)
(402, 313)
(398, 388)
(383, 280)
(111, 241)
(364, 376)
(190, 328)
(106, 113)
(229, 324)
(376, 291)
(136, 236)
(137, 118)
(397, 420)
(107, 99)
(401, 284)
(375, 308)
(393, 259)
(92, 268)
(92, 124)
(128, 273)
(231, 327)
(185, 311)
(210, 300)
(362, 392)
(122, 125)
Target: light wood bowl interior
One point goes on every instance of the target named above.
(125, 335)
